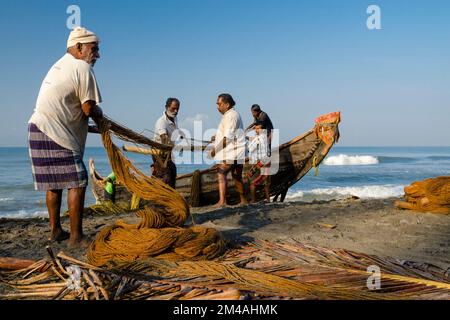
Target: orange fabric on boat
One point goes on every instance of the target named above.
(325, 127)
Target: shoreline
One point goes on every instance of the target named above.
(365, 226)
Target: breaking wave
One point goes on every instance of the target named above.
(336, 193)
(346, 160)
(23, 214)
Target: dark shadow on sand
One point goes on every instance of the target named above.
(251, 218)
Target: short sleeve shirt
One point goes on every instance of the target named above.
(58, 113)
(264, 118)
(232, 128)
(165, 126)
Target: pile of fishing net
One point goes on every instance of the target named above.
(429, 195)
(159, 233)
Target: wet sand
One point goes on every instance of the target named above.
(367, 226)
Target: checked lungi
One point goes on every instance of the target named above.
(54, 167)
(258, 174)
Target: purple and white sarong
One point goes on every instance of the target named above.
(54, 167)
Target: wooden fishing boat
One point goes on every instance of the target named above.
(293, 159)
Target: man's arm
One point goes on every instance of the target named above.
(93, 129)
(250, 126)
(219, 147)
(91, 109)
(165, 139)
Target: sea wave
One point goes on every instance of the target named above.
(363, 192)
(438, 158)
(346, 160)
(6, 199)
(24, 214)
(383, 159)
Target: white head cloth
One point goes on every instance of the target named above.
(81, 35)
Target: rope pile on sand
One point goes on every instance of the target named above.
(123, 242)
(159, 233)
(430, 195)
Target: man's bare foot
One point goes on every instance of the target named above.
(243, 203)
(220, 205)
(59, 236)
(82, 242)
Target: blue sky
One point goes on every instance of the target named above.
(297, 59)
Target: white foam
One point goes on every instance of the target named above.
(6, 199)
(346, 160)
(363, 192)
(23, 214)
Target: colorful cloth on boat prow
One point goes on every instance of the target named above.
(54, 167)
(325, 127)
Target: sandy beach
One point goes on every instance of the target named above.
(366, 226)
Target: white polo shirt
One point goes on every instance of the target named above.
(165, 126)
(232, 128)
(69, 83)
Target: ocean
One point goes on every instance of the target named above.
(365, 172)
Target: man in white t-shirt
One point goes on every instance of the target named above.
(57, 131)
(229, 148)
(165, 128)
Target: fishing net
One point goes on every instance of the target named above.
(159, 233)
(429, 195)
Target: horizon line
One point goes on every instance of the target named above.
(335, 146)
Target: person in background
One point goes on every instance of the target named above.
(58, 128)
(229, 148)
(259, 157)
(261, 116)
(165, 127)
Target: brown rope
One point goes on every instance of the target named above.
(129, 135)
(158, 234)
(127, 243)
(176, 210)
